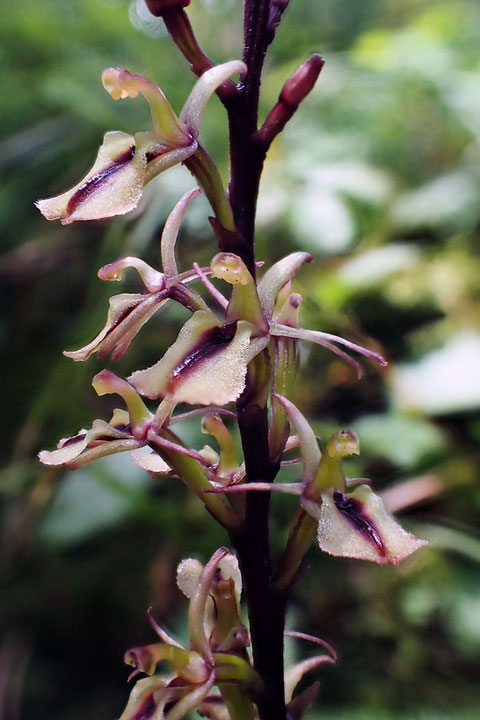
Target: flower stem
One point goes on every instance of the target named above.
(266, 605)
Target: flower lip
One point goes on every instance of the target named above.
(211, 342)
(353, 511)
(93, 183)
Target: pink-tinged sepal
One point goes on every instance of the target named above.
(206, 365)
(277, 276)
(149, 697)
(310, 452)
(359, 526)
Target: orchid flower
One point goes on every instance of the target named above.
(126, 431)
(207, 364)
(126, 163)
(352, 524)
(215, 655)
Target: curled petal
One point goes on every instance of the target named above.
(275, 278)
(295, 673)
(88, 445)
(161, 632)
(358, 525)
(122, 84)
(205, 86)
(152, 279)
(207, 364)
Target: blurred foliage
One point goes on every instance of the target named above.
(378, 176)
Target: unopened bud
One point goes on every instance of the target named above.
(302, 81)
(158, 7)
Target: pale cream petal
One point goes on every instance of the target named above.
(151, 461)
(188, 575)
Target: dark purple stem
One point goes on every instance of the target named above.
(266, 606)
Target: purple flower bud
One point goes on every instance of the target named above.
(158, 7)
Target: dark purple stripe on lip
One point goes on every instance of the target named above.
(210, 343)
(353, 511)
(73, 440)
(96, 181)
(146, 710)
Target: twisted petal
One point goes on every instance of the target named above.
(88, 445)
(206, 365)
(152, 279)
(149, 697)
(359, 526)
(127, 314)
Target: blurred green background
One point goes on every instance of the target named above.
(378, 176)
